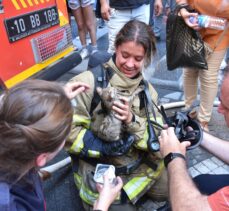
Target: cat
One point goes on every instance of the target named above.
(111, 128)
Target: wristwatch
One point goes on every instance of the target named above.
(168, 158)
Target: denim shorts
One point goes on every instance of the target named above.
(75, 4)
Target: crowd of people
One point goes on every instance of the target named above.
(115, 13)
(216, 47)
(38, 118)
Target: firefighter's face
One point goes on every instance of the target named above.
(130, 58)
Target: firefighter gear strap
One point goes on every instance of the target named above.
(119, 170)
(102, 75)
(152, 143)
(128, 169)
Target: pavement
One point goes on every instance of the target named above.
(60, 191)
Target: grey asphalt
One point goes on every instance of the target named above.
(60, 191)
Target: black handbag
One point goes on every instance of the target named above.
(184, 45)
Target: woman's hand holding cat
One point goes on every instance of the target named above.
(122, 109)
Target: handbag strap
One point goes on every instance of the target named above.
(181, 6)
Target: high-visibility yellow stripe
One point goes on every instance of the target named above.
(94, 154)
(35, 69)
(30, 3)
(24, 5)
(77, 146)
(77, 180)
(157, 173)
(87, 195)
(136, 186)
(78, 120)
(160, 121)
(142, 144)
(16, 4)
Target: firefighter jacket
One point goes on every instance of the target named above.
(136, 182)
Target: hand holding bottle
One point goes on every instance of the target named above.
(186, 15)
(205, 21)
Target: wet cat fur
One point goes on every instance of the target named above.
(111, 128)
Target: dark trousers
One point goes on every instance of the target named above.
(151, 12)
(209, 183)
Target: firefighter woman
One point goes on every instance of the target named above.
(141, 170)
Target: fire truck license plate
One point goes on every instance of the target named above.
(30, 23)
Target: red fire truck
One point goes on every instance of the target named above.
(35, 40)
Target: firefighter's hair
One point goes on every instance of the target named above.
(35, 118)
(140, 33)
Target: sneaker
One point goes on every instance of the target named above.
(75, 41)
(94, 49)
(75, 48)
(84, 53)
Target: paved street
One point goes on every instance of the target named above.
(60, 191)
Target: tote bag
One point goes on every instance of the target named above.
(184, 46)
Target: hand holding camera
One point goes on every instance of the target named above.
(108, 186)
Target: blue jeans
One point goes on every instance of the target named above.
(151, 12)
(158, 20)
(118, 18)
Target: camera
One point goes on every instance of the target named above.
(104, 169)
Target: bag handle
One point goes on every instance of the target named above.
(181, 6)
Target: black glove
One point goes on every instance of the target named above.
(113, 148)
(119, 147)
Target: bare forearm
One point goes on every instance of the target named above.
(183, 193)
(216, 146)
(102, 2)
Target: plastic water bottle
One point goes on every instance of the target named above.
(206, 21)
